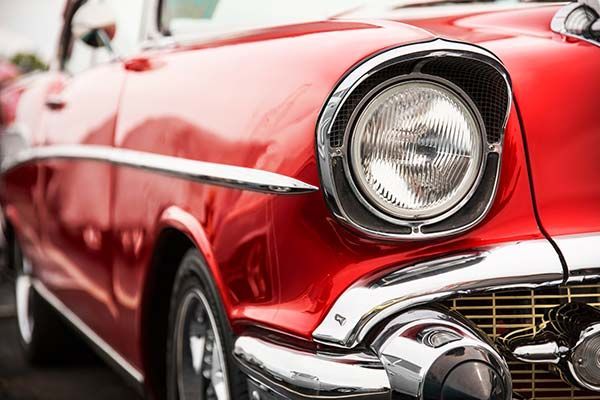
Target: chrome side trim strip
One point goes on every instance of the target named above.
(582, 256)
(312, 374)
(518, 265)
(193, 170)
(87, 331)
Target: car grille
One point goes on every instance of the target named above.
(499, 313)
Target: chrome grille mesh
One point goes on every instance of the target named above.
(504, 312)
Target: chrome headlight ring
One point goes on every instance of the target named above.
(345, 190)
(466, 187)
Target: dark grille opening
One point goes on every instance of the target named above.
(499, 313)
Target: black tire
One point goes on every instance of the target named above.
(192, 278)
(44, 337)
(7, 269)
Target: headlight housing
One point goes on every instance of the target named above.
(409, 142)
(416, 150)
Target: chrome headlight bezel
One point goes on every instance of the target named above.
(355, 180)
(434, 61)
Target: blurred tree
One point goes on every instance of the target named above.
(28, 62)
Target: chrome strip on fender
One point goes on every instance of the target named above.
(87, 331)
(193, 170)
(520, 265)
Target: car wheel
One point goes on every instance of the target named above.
(200, 364)
(42, 334)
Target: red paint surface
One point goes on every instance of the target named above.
(555, 85)
(254, 101)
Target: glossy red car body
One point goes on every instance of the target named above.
(92, 230)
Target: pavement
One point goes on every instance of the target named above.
(85, 377)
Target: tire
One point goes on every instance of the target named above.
(43, 336)
(195, 311)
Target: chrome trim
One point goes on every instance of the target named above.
(25, 320)
(328, 155)
(518, 265)
(87, 331)
(557, 25)
(421, 370)
(582, 256)
(193, 170)
(311, 374)
(587, 334)
(541, 353)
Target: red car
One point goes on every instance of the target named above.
(399, 201)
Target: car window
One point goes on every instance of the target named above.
(78, 56)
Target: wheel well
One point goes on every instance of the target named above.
(171, 247)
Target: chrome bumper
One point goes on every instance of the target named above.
(448, 358)
(286, 372)
(345, 371)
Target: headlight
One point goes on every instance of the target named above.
(416, 150)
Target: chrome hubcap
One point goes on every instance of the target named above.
(200, 356)
(24, 303)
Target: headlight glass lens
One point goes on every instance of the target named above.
(416, 150)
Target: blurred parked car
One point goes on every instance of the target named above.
(398, 202)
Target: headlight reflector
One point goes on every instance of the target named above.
(416, 150)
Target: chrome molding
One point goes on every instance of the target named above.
(520, 265)
(87, 331)
(582, 256)
(193, 170)
(328, 156)
(311, 374)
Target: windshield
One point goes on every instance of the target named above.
(180, 17)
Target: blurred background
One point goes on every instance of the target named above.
(28, 35)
